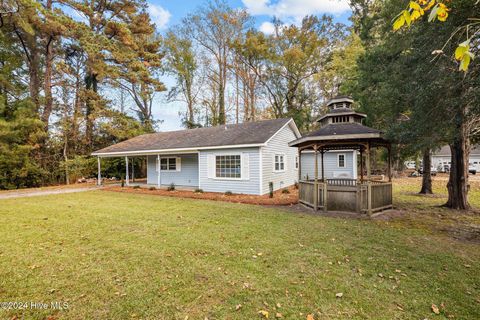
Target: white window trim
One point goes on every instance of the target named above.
(168, 170)
(227, 154)
(284, 162)
(344, 160)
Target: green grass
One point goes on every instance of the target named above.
(121, 256)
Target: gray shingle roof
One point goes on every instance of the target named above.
(342, 129)
(224, 135)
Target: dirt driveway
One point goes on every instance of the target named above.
(44, 191)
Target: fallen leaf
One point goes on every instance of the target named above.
(238, 307)
(310, 317)
(263, 313)
(278, 315)
(339, 295)
(279, 305)
(435, 309)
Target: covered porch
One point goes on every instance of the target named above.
(161, 169)
(362, 195)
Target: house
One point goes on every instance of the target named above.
(442, 158)
(241, 158)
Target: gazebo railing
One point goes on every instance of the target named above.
(347, 195)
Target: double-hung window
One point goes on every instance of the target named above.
(228, 166)
(168, 164)
(279, 162)
(341, 161)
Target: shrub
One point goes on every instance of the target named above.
(171, 187)
(136, 187)
(285, 191)
(296, 185)
(198, 191)
(270, 187)
(152, 188)
(122, 183)
(228, 193)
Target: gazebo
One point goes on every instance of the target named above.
(342, 129)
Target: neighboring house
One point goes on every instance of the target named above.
(442, 157)
(241, 158)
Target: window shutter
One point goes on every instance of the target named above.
(245, 166)
(210, 166)
(178, 163)
(273, 162)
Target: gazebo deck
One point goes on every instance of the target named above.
(347, 195)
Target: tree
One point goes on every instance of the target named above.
(213, 28)
(182, 63)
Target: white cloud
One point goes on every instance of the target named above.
(159, 15)
(267, 28)
(295, 9)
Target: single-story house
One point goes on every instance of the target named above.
(442, 157)
(241, 158)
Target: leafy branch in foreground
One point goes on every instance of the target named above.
(439, 11)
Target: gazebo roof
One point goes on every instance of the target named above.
(341, 134)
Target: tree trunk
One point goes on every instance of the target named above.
(91, 84)
(458, 182)
(47, 83)
(427, 173)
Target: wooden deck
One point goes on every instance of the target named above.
(347, 195)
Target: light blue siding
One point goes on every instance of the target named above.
(331, 165)
(246, 186)
(279, 145)
(187, 176)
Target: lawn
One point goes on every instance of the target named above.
(114, 255)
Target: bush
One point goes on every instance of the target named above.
(270, 188)
(152, 188)
(296, 185)
(228, 193)
(136, 187)
(171, 187)
(198, 191)
(123, 183)
(285, 191)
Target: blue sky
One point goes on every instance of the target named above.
(167, 13)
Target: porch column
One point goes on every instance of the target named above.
(126, 172)
(315, 181)
(99, 177)
(133, 170)
(158, 170)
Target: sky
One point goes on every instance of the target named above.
(168, 13)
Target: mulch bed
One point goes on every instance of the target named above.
(279, 198)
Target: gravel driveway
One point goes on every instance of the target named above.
(38, 192)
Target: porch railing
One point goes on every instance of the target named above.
(347, 195)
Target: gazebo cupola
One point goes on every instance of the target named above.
(340, 111)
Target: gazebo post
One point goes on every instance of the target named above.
(361, 164)
(315, 181)
(126, 172)
(323, 167)
(324, 183)
(299, 164)
(369, 182)
(389, 167)
(99, 178)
